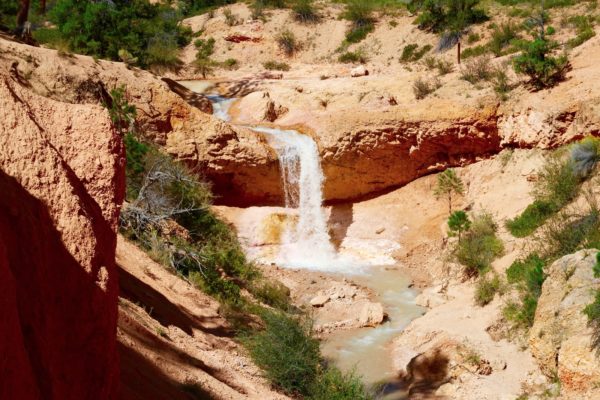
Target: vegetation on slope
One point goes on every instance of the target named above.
(168, 215)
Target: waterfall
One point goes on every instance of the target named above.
(306, 244)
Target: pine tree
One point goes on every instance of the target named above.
(448, 183)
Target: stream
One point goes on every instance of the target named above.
(307, 245)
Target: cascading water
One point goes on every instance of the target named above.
(306, 244)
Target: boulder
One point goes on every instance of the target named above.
(258, 107)
(361, 70)
(371, 314)
(62, 182)
(560, 339)
(319, 301)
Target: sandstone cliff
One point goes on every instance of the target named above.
(62, 183)
(560, 339)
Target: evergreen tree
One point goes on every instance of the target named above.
(448, 183)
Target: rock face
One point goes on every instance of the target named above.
(560, 338)
(258, 107)
(62, 183)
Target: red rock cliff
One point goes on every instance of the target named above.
(61, 186)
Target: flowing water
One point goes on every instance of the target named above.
(307, 244)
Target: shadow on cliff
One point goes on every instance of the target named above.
(340, 219)
(426, 373)
(162, 309)
(59, 326)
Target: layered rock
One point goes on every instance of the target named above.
(560, 339)
(62, 183)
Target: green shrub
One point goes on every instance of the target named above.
(458, 222)
(475, 51)
(532, 218)
(480, 245)
(411, 52)
(286, 352)
(566, 234)
(538, 63)
(274, 294)
(287, 42)
(230, 63)
(147, 31)
(304, 11)
(501, 83)
(440, 16)
(163, 52)
(584, 27)
(528, 273)
(333, 384)
(360, 13)
(502, 36)
(557, 181)
(230, 19)
(276, 66)
(357, 56)
(486, 290)
(596, 267)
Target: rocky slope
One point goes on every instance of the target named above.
(62, 183)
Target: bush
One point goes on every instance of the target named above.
(444, 67)
(357, 56)
(537, 61)
(333, 384)
(527, 272)
(422, 88)
(584, 27)
(480, 245)
(474, 51)
(585, 156)
(163, 52)
(501, 83)
(274, 294)
(304, 11)
(477, 70)
(532, 218)
(287, 42)
(230, 63)
(101, 29)
(502, 36)
(276, 66)
(360, 13)
(557, 182)
(286, 352)
(486, 290)
(412, 53)
(230, 19)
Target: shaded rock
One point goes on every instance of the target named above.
(195, 99)
(62, 184)
(560, 339)
(258, 107)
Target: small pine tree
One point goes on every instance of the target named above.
(448, 183)
(536, 59)
(458, 222)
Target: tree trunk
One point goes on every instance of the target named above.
(22, 15)
(42, 6)
(450, 202)
(458, 52)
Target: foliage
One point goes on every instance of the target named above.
(203, 63)
(502, 36)
(486, 290)
(230, 19)
(423, 88)
(477, 70)
(162, 52)
(592, 311)
(458, 222)
(584, 26)
(537, 58)
(480, 245)
(532, 218)
(286, 352)
(474, 51)
(447, 184)
(501, 83)
(596, 267)
(446, 15)
(585, 156)
(273, 294)
(357, 56)
(527, 272)
(304, 11)
(149, 32)
(411, 52)
(122, 114)
(444, 67)
(276, 66)
(333, 384)
(360, 13)
(287, 42)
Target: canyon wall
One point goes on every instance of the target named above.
(62, 183)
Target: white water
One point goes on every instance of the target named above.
(306, 244)
(221, 106)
